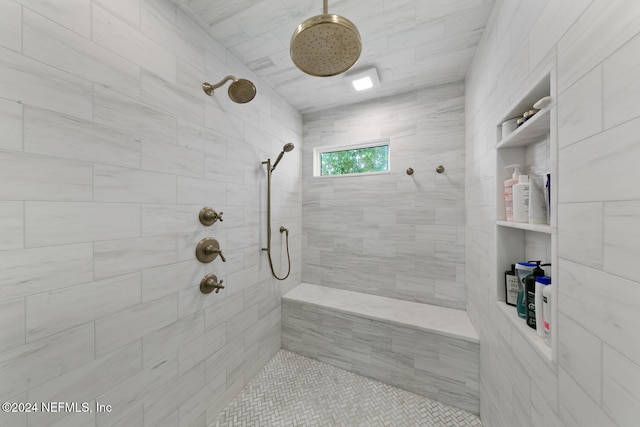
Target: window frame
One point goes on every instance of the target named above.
(318, 151)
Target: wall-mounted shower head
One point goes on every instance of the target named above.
(241, 91)
(287, 147)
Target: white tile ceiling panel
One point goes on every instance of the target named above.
(413, 43)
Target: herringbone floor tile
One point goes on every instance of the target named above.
(292, 390)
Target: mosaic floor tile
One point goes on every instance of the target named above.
(293, 390)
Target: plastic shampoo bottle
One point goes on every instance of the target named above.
(537, 205)
(521, 199)
(508, 190)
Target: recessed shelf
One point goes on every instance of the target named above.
(534, 147)
(531, 131)
(528, 333)
(538, 228)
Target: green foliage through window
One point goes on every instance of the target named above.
(358, 160)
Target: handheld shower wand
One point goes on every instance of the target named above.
(283, 229)
(285, 149)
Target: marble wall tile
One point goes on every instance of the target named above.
(37, 362)
(169, 158)
(55, 45)
(621, 388)
(132, 394)
(103, 117)
(621, 237)
(51, 134)
(162, 281)
(202, 191)
(610, 312)
(127, 9)
(113, 34)
(12, 317)
(163, 219)
(413, 212)
(171, 338)
(125, 113)
(11, 26)
(11, 225)
(580, 220)
(75, 15)
(168, 97)
(587, 173)
(223, 310)
(196, 351)
(158, 21)
(587, 42)
(30, 177)
(11, 122)
(580, 109)
(114, 257)
(48, 313)
(133, 323)
(177, 392)
(87, 382)
(576, 409)
(59, 223)
(34, 83)
(59, 267)
(115, 184)
(620, 87)
(580, 355)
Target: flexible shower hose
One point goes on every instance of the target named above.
(282, 230)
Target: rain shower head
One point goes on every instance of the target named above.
(240, 91)
(325, 45)
(287, 147)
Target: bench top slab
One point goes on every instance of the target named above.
(431, 318)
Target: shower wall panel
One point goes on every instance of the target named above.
(395, 235)
(109, 149)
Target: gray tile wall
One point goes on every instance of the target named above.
(595, 381)
(393, 234)
(109, 149)
(441, 368)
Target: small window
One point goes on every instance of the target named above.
(367, 158)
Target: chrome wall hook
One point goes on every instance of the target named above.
(440, 169)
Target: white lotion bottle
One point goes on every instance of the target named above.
(508, 191)
(537, 204)
(521, 199)
(541, 283)
(546, 313)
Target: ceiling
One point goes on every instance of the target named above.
(412, 43)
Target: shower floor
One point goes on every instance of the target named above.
(293, 390)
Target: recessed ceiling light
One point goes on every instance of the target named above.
(362, 84)
(363, 79)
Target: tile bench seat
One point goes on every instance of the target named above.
(429, 350)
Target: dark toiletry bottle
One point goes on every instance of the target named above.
(530, 294)
(511, 286)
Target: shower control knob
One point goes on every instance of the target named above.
(208, 249)
(208, 216)
(209, 283)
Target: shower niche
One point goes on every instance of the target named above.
(533, 145)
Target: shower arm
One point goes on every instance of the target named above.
(209, 88)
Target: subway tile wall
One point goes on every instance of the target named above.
(393, 235)
(596, 381)
(109, 149)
